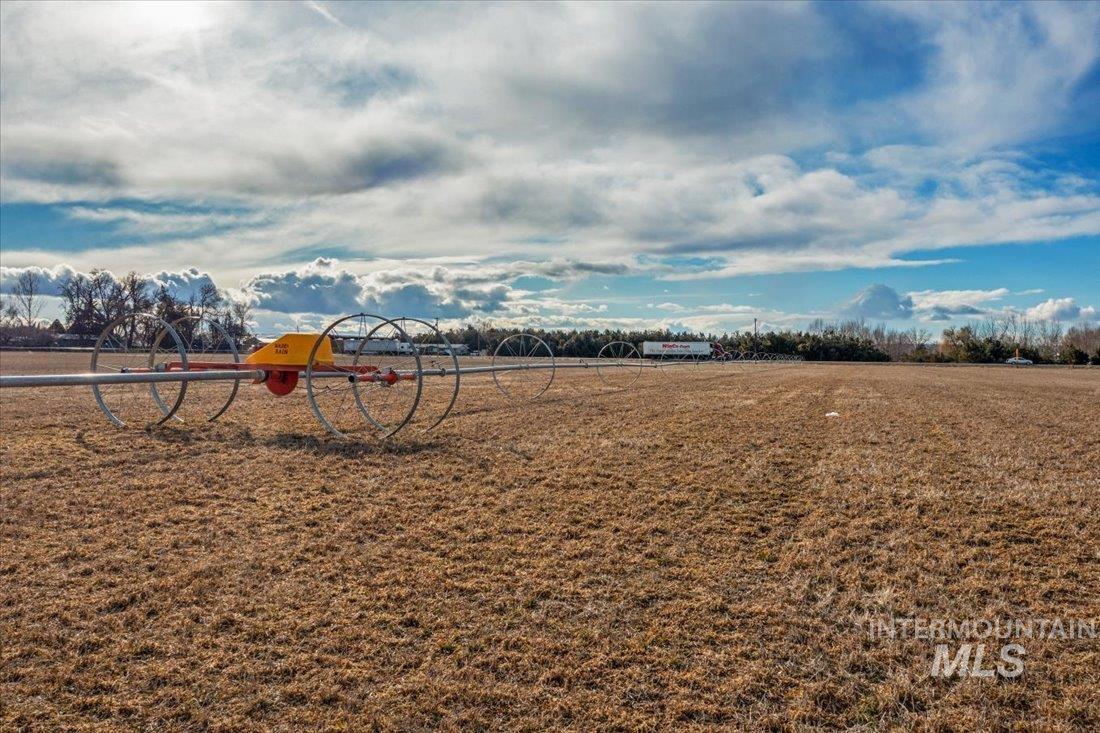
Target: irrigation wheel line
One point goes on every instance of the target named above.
(455, 371)
(385, 387)
(208, 347)
(343, 381)
(115, 353)
(510, 377)
(379, 384)
(619, 351)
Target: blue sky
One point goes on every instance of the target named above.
(591, 165)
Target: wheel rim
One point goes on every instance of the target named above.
(523, 350)
(136, 343)
(436, 401)
(342, 400)
(619, 364)
(207, 340)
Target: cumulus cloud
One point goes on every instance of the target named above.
(879, 302)
(453, 291)
(50, 279)
(184, 284)
(326, 286)
(312, 294)
(338, 291)
(1060, 309)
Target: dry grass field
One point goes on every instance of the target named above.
(700, 552)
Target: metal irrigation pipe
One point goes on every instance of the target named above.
(282, 374)
(88, 379)
(97, 378)
(444, 371)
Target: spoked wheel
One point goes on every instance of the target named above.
(207, 342)
(363, 377)
(439, 363)
(528, 366)
(139, 343)
(619, 364)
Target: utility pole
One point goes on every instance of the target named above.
(754, 334)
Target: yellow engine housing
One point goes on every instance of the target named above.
(292, 349)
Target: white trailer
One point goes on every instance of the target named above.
(442, 349)
(376, 346)
(676, 349)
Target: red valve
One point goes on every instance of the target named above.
(281, 383)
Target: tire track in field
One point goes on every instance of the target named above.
(914, 522)
(749, 521)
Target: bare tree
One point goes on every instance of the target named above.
(209, 300)
(242, 313)
(1050, 335)
(9, 314)
(237, 318)
(27, 295)
(135, 291)
(1085, 337)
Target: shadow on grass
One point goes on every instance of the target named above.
(350, 448)
(242, 436)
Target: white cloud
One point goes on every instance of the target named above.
(943, 305)
(50, 279)
(1060, 309)
(183, 284)
(326, 287)
(928, 299)
(455, 293)
(392, 132)
(879, 302)
(322, 10)
(1001, 74)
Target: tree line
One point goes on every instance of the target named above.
(89, 302)
(839, 343)
(92, 301)
(1044, 342)
(990, 341)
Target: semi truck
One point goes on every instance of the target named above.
(676, 349)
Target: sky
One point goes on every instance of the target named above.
(691, 166)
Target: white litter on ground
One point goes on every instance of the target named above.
(832, 414)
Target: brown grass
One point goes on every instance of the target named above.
(694, 553)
